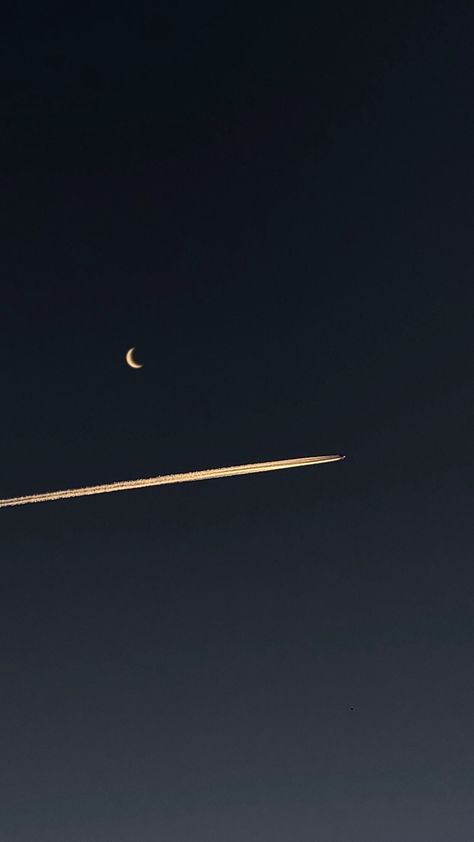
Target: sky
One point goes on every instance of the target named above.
(275, 207)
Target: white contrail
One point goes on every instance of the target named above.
(191, 476)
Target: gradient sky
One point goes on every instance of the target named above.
(276, 208)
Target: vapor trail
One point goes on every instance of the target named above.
(169, 479)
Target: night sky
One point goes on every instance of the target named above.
(275, 205)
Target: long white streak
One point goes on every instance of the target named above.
(191, 476)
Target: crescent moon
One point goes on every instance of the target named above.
(130, 360)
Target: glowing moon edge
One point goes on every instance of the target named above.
(131, 362)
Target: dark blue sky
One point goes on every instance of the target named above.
(276, 208)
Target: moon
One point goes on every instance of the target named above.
(131, 362)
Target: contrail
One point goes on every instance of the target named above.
(191, 476)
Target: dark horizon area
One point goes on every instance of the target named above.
(275, 207)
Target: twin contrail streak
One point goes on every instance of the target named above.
(169, 479)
